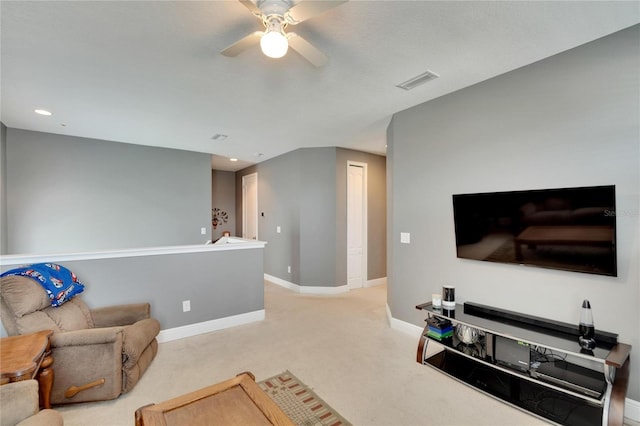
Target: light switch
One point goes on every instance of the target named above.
(278, 229)
(405, 237)
(203, 231)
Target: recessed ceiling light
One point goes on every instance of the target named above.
(42, 112)
(233, 159)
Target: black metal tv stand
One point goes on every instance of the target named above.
(528, 362)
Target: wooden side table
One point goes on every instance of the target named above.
(237, 401)
(26, 357)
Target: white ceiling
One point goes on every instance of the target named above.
(150, 73)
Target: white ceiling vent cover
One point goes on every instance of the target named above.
(219, 137)
(418, 80)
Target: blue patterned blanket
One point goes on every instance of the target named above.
(60, 283)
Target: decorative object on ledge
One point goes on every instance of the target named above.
(449, 297)
(587, 331)
(218, 216)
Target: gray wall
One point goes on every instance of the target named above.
(569, 120)
(67, 194)
(304, 192)
(3, 189)
(223, 196)
(317, 206)
(278, 205)
(219, 284)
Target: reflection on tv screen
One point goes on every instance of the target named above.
(572, 229)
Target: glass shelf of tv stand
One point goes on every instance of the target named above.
(478, 352)
(613, 361)
(508, 384)
(532, 337)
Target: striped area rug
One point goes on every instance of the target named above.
(300, 403)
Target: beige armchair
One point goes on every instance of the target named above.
(97, 353)
(19, 406)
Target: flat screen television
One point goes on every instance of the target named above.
(572, 229)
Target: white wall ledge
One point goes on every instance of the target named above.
(232, 243)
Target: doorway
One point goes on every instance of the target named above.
(250, 206)
(356, 224)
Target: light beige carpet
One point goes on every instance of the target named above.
(340, 345)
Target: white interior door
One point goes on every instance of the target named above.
(250, 206)
(356, 224)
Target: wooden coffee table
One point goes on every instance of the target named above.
(597, 236)
(28, 356)
(237, 401)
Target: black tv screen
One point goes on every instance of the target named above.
(572, 229)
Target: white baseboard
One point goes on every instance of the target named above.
(632, 410)
(281, 282)
(631, 407)
(376, 281)
(303, 289)
(403, 326)
(209, 326)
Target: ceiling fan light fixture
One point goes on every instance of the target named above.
(276, 16)
(274, 44)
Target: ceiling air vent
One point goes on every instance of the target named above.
(418, 80)
(219, 137)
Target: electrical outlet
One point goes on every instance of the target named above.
(186, 305)
(203, 231)
(278, 229)
(289, 269)
(405, 238)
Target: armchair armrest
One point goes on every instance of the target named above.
(111, 316)
(44, 417)
(90, 336)
(136, 339)
(88, 364)
(19, 401)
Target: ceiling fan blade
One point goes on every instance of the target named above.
(308, 9)
(243, 44)
(307, 50)
(251, 6)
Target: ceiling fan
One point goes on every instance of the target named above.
(276, 15)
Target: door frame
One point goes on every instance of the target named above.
(244, 205)
(365, 216)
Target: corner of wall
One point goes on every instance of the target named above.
(3, 189)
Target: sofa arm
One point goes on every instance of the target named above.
(19, 400)
(90, 336)
(111, 316)
(136, 339)
(88, 361)
(44, 417)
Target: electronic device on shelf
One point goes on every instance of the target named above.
(573, 377)
(512, 353)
